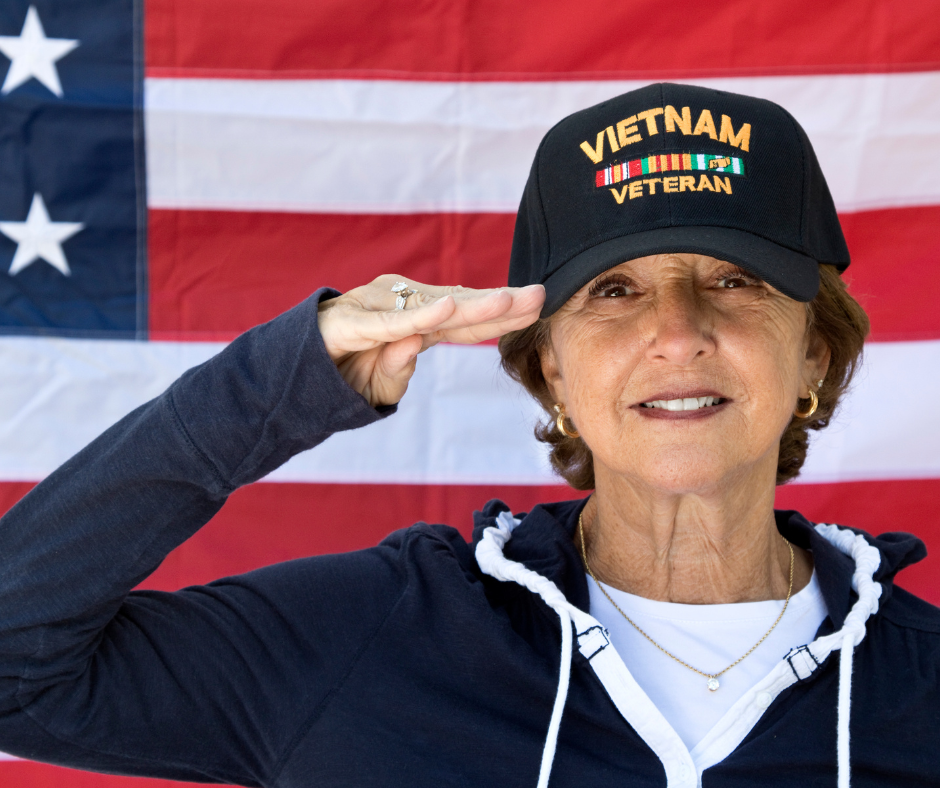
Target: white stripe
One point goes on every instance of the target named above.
(875, 435)
(341, 146)
(59, 394)
(462, 421)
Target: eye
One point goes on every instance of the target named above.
(736, 278)
(615, 286)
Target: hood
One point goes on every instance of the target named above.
(543, 542)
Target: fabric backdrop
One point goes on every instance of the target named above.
(172, 175)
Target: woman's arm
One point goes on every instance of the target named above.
(208, 683)
(72, 549)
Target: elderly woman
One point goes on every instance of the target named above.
(676, 307)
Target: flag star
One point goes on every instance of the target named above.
(39, 238)
(33, 55)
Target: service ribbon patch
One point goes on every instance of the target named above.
(669, 162)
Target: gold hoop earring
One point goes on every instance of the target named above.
(560, 423)
(813, 404)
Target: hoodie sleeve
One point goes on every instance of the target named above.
(203, 684)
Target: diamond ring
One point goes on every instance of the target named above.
(402, 291)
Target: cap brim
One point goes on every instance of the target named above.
(792, 273)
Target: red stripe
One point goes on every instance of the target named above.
(599, 180)
(26, 774)
(216, 273)
(11, 492)
(895, 271)
(231, 543)
(879, 507)
(636, 168)
(241, 536)
(295, 38)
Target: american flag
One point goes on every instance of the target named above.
(171, 175)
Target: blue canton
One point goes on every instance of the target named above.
(73, 197)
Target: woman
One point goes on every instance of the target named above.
(683, 332)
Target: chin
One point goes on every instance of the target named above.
(690, 469)
(679, 482)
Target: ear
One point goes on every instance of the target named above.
(552, 372)
(816, 363)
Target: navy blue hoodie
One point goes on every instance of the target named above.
(424, 661)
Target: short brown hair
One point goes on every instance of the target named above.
(833, 317)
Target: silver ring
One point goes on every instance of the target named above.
(402, 291)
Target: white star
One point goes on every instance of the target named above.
(34, 55)
(39, 238)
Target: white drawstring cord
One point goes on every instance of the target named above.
(845, 711)
(867, 560)
(489, 555)
(561, 696)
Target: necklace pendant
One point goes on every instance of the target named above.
(713, 684)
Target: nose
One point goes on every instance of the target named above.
(679, 329)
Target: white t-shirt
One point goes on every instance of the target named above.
(709, 637)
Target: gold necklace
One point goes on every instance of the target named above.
(713, 683)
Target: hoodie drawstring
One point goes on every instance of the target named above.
(867, 560)
(489, 555)
(845, 711)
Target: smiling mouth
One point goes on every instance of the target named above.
(686, 403)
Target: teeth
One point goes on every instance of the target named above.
(688, 403)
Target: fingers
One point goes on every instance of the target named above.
(491, 316)
(471, 335)
(353, 328)
(348, 327)
(377, 296)
(471, 321)
(476, 315)
(375, 345)
(366, 317)
(393, 371)
(398, 358)
(480, 307)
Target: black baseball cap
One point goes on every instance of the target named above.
(675, 168)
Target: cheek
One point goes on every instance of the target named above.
(768, 365)
(597, 364)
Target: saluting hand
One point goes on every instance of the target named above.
(375, 346)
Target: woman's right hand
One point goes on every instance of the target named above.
(375, 346)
